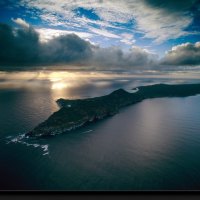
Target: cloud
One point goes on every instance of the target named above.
(18, 46)
(23, 47)
(21, 22)
(171, 6)
(66, 49)
(183, 54)
(104, 32)
(127, 38)
(160, 21)
(114, 57)
(47, 34)
(155, 19)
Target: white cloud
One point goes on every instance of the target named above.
(104, 32)
(21, 22)
(47, 34)
(158, 22)
(183, 54)
(127, 38)
(159, 25)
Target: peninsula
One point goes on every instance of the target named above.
(76, 113)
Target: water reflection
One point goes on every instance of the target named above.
(101, 79)
(150, 145)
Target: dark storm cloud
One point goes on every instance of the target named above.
(22, 47)
(173, 6)
(184, 54)
(19, 46)
(65, 49)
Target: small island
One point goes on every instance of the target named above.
(77, 113)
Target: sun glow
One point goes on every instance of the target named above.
(58, 86)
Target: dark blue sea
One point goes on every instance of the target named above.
(152, 145)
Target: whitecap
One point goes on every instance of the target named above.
(133, 90)
(45, 147)
(20, 139)
(88, 131)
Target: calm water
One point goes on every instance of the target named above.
(152, 145)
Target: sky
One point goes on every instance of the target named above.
(100, 34)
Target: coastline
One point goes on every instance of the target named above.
(74, 114)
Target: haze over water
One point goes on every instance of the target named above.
(154, 144)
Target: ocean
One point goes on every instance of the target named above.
(152, 145)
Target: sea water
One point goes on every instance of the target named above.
(152, 145)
